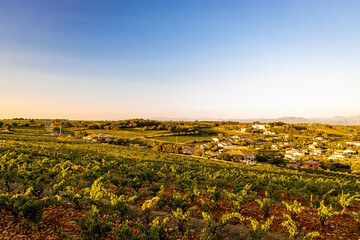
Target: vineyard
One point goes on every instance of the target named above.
(63, 188)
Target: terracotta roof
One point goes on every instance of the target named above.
(247, 154)
(311, 163)
(189, 150)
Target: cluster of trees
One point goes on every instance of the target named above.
(157, 146)
(162, 147)
(8, 126)
(174, 127)
(227, 157)
(276, 160)
(5, 126)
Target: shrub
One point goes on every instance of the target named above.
(91, 227)
(325, 213)
(237, 199)
(182, 217)
(346, 200)
(209, 232)
(32, 211)
(357, 219)
(258, 231)
(291, 226)
(294, 209)
(130, 230)
(265, 205)
(311, 236)
(148, 206)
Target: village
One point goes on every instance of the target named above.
(312, 155)
(245, 147)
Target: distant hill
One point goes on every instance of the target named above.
(341, 120)
(337, 120)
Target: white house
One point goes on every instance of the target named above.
(275, 147)
(259, 126)
(316, 152)
(94, 136)
(353, 143)
(269, 133)
(243, 130)
(336, 157)
(349, 152)
(289, 156)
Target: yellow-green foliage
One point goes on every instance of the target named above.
(161, 192)
(207, 219)
(182, 217)
(357, 218)
(156, 226)
(291, 226)
(209, 232)
(265, 204)
(73, 195)
(227, 217)
(294, 209)
(346, 200)
(97, 191)
(116, 200)
(258, 231)
(311, 201)
(293, 230)
(256, 226)
(237, 199)
(311, 235)
(150, 204)
(325, 213)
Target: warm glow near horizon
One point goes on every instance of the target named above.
(179, 59)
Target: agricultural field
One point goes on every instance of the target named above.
(65, 188)
(126, 133)
(186, 139)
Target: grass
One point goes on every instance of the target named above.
(30, 129)
(127, 132)
(237, 147)
(185, 138)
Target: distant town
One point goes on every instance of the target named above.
(298, 146)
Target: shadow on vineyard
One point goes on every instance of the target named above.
(63, 188)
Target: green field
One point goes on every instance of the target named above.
(185, 139)
(126, 132)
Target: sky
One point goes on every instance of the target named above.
(221, 59)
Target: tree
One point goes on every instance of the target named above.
(199, 152)
(325, 213)
(80, 134)
(355, 167)
(224, 156)
(6, 127)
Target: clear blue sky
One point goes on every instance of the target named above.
(179, 58)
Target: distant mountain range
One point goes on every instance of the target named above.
(337, 120)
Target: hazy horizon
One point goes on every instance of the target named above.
(179, 59)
